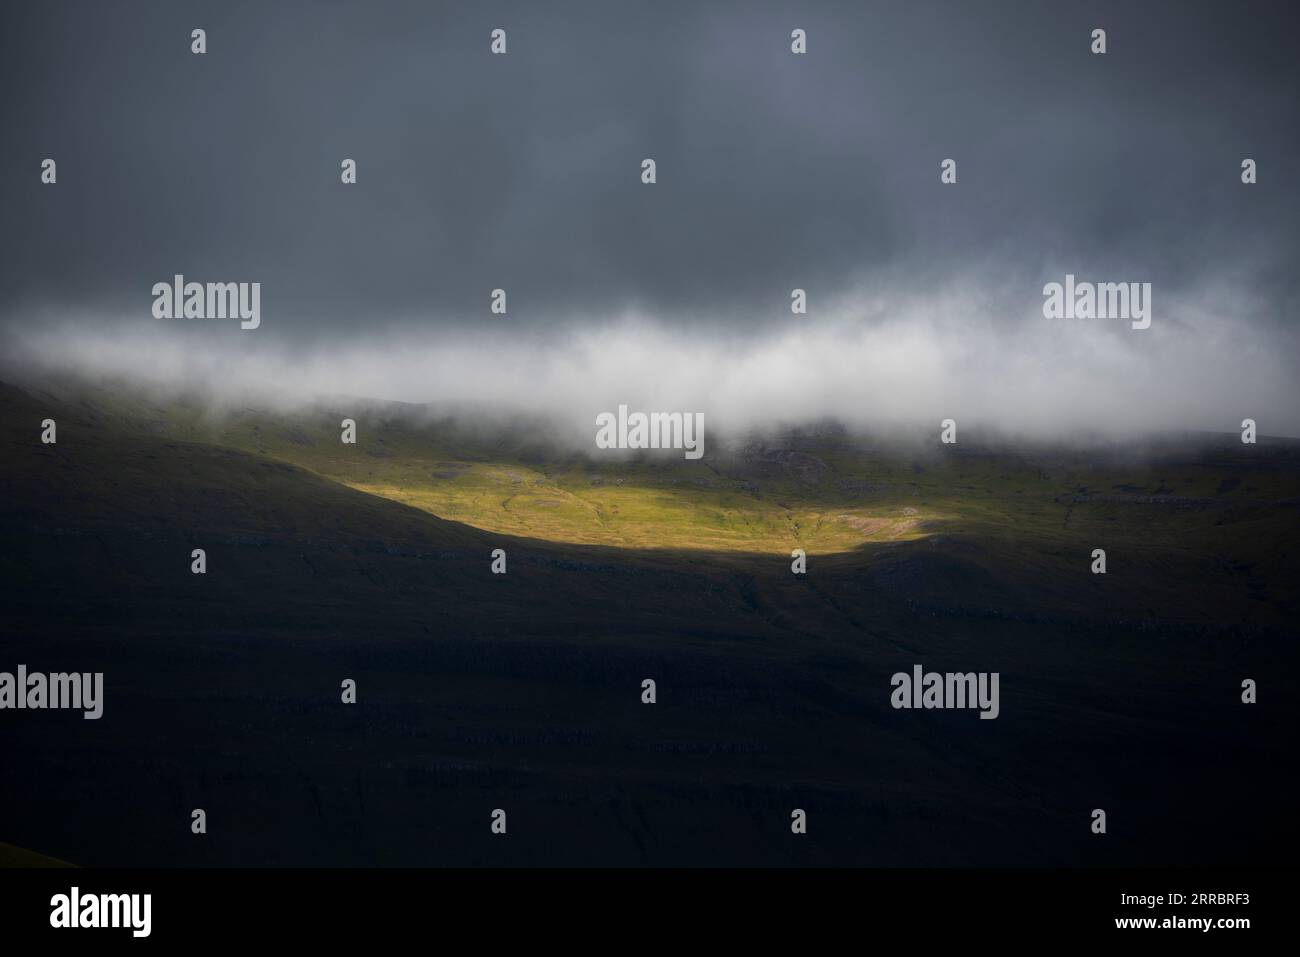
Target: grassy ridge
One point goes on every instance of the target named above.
(1209, 511)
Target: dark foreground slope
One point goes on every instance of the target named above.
(522, 692)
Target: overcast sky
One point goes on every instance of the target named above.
(775, 171)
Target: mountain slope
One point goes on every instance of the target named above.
(523, 690)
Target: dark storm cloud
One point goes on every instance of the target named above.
(775, 171)
(522, 171)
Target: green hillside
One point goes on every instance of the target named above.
(479, 689)
(1202, 509)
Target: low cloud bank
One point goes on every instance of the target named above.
(869, 363)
